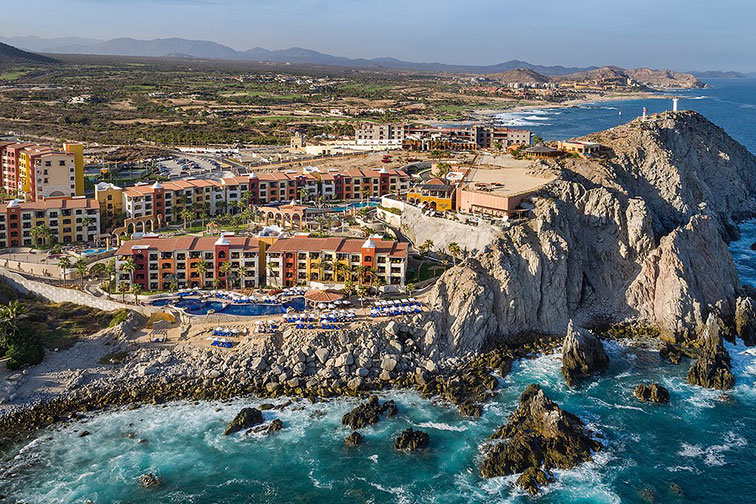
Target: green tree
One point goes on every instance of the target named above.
(409, 288)
(454, 250)
(186, 215)
(41, 233)
(226, 268)
(81, 269)
(123, 288)
(425, 247)
(201, 268)
(136, 289)
(64, 263)
(129, 267)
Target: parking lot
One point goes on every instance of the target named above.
(184, 166)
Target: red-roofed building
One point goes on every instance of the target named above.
(69, 220)
(171, 263)
(302, 260)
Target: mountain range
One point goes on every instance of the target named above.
(179, 47)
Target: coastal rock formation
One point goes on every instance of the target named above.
(247, 417)
(149, 480)
(651, 393)
(745, 320)
(411, 440)
(368, 413)
(713, 369)
(638, 234)
(582, 355)
(538, 437)
(353, 439)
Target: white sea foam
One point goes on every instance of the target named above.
(713, 455)
(442, 426)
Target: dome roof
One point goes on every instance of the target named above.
(369, 243)
(222, 241)
(157, 185)
(13, 203)
(253, 175)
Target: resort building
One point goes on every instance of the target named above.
(304, 260)
(35, 172)
(435, 194)
(163, 203)
(190, 261)
(504, 137)
(110, 198)
(60, 220)
(580, 147)
(540, 152)
(380, 134)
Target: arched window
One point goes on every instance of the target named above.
(222, 254)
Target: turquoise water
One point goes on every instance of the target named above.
(199, 307)
(350, 206)
(702, 441)
(93, 251)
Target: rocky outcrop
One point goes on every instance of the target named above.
(149, 480)
(745, 320)
(651, 393)
(353, 439)
(638, 235)
(582, 355)
(411, 440)
(713, 369)
(369, 413)
(247, 417)
(538, 438)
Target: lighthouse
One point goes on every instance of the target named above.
(674, 104)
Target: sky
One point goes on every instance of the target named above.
(677, 34)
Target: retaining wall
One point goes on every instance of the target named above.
(63, 295)
(418, 228)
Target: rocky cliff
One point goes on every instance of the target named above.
(638, 234)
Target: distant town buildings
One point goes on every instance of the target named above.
(428, 138)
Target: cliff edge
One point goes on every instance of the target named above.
(638, 234)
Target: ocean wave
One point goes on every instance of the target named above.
(442, 426)
(714, 455)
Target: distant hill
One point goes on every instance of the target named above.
(719, 74)
(10, 55)
(520, 75)
(658, 79)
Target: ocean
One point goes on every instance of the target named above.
(698, 448)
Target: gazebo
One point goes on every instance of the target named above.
(322, 296)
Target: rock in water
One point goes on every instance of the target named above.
(653, 393)
(247, 417)
(411, 440)
(353, 439)
(368, 413)
(275, 426)
(538, 437)
(582, 355)
(745, 320)
(713, 369)
(149, 480)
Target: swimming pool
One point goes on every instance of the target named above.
(199, 307)
(93, 251)
(350, 206)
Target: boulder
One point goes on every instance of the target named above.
(322, 354)
(745, 320)
(582, 355)
(388, 363)
(369, 413)
(247, 417)
(713, 368)
(149, 480)
(411, 440)
(651, 393)
(353, 439)
(539, 436)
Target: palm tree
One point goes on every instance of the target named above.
(409, 288)
(201, 268)
(362, 290)
(339, 268)
(111, 273)
(225, 268)
(136, 289)
(87, 221)
(303, 194)
(64, 263)
(129, 266)
(426, 246)
(186, 215)
(324, 265)
(454, 250)
(40, 233)
(348, 287)
(243, 272)
(81, 269)
(123, 289)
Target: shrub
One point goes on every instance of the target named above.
(24, 352)
(118, 317)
